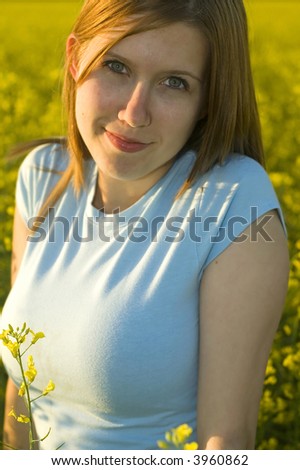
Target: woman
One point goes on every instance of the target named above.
(158, 265)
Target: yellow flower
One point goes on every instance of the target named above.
(3, 335)
(12, 413)
(21, 392)
(20, 419)
(288, 391)
(7, 243)
(13, 339)
(10, 210)
(272, 380)
(292, 361)
(13, 347)
(181, 434)
(177, 438)
(30, 361)
(287, 329)
(281, 404)
(270, 370)
(23, 419)
(272, 443)
(50, 387)
(163, 445)
(280, 418)
(31, 372)
(36, 336)
(190, 446)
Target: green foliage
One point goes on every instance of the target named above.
(275, 57)
(32, 37)
(32, 42)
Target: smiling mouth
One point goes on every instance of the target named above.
(125, 144)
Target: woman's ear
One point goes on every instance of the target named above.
(71, 55)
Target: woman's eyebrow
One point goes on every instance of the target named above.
(114, 55)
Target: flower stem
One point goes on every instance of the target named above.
(25, 350)
(36, 398)
(28, 402)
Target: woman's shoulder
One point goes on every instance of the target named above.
(238, 177)
(238, 174)
(49, 157)
(38, 174)
(235, 194)
(239, 167)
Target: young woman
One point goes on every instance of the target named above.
(158, 265)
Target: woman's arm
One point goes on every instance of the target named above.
(242, 296)
(14, 433)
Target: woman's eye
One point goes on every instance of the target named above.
(115, 66)
(177, 83)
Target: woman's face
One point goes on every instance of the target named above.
(138, 108)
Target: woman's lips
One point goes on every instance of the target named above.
(124, 143)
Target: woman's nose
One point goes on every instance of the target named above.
(136, 112)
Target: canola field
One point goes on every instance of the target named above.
(32, 36)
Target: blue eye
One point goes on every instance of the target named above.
(115, 66)
(177, 83)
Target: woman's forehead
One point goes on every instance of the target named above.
(176, 43)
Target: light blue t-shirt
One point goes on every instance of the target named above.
(117, 297)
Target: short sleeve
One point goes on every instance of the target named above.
(239, 194)
(23, 191)
(37, 175)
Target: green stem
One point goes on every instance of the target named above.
(28, 404)
(36, 398)
(25, 350)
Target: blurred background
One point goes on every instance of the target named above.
(32, 39)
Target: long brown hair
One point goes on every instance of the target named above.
(232, 121)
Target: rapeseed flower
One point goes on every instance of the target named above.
(22, 390)
(13, 339)
(50, 387)
(21, 418)
(177, 438)
(36, 336)
(31, 373)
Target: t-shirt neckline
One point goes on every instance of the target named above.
(184, 161)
